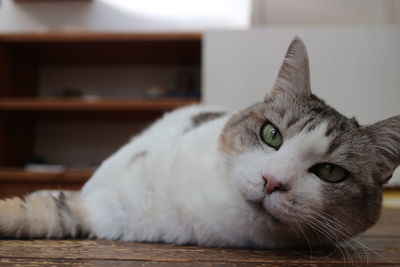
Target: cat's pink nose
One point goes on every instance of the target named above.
(272, 184)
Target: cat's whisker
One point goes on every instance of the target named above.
(327, 235)
(345, 235)
(336, 239)
(330, 236)
(323, 226)
(362, 246)
(305, 236)
(349, 236)
(347, 231)
(339, 235)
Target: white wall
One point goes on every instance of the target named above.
(326, 12)
(189, 15)
(356, 70)
(124, 15)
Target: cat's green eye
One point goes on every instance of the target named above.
(271, 135)
(329, 172)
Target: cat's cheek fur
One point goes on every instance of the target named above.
(247, 174)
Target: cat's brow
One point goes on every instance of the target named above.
(292, 121)
(330, 130)
(307, 122)
(333, 146)
(337, 126)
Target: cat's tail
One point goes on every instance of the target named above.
(44, 214)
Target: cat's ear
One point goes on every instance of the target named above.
(386, 136)
(294, 74)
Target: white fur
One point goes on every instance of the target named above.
(177, 193)
(180, 191)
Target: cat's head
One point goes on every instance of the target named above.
(308, 169)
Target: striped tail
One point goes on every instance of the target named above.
(43, 214)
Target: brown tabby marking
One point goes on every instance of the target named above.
(237, 139)
(62, 208)
(56, 215)
(138, 156)
(204, 117)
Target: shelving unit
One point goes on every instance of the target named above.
(73, 105)
(17, 182)
(23, 55)
(19, 175)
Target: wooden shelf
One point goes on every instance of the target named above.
(18, 182)
(24, 55)
(104, 48)
(77, 36)
(20, 175)
(70, 105)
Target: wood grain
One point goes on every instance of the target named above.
(382, 251)
(88, 250)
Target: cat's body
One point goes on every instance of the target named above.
(168, 185)
(287, 171)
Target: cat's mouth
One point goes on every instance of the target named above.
(259, 206)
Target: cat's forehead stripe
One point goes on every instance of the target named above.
(333, 146)
(292, 121)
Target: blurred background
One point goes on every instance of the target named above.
(78, 78)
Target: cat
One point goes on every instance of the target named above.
(287, 171)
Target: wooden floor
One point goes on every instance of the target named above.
(381, 246)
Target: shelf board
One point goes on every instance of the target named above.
(82, 36)
(20, 175)
(54, 48)
(70, 105)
